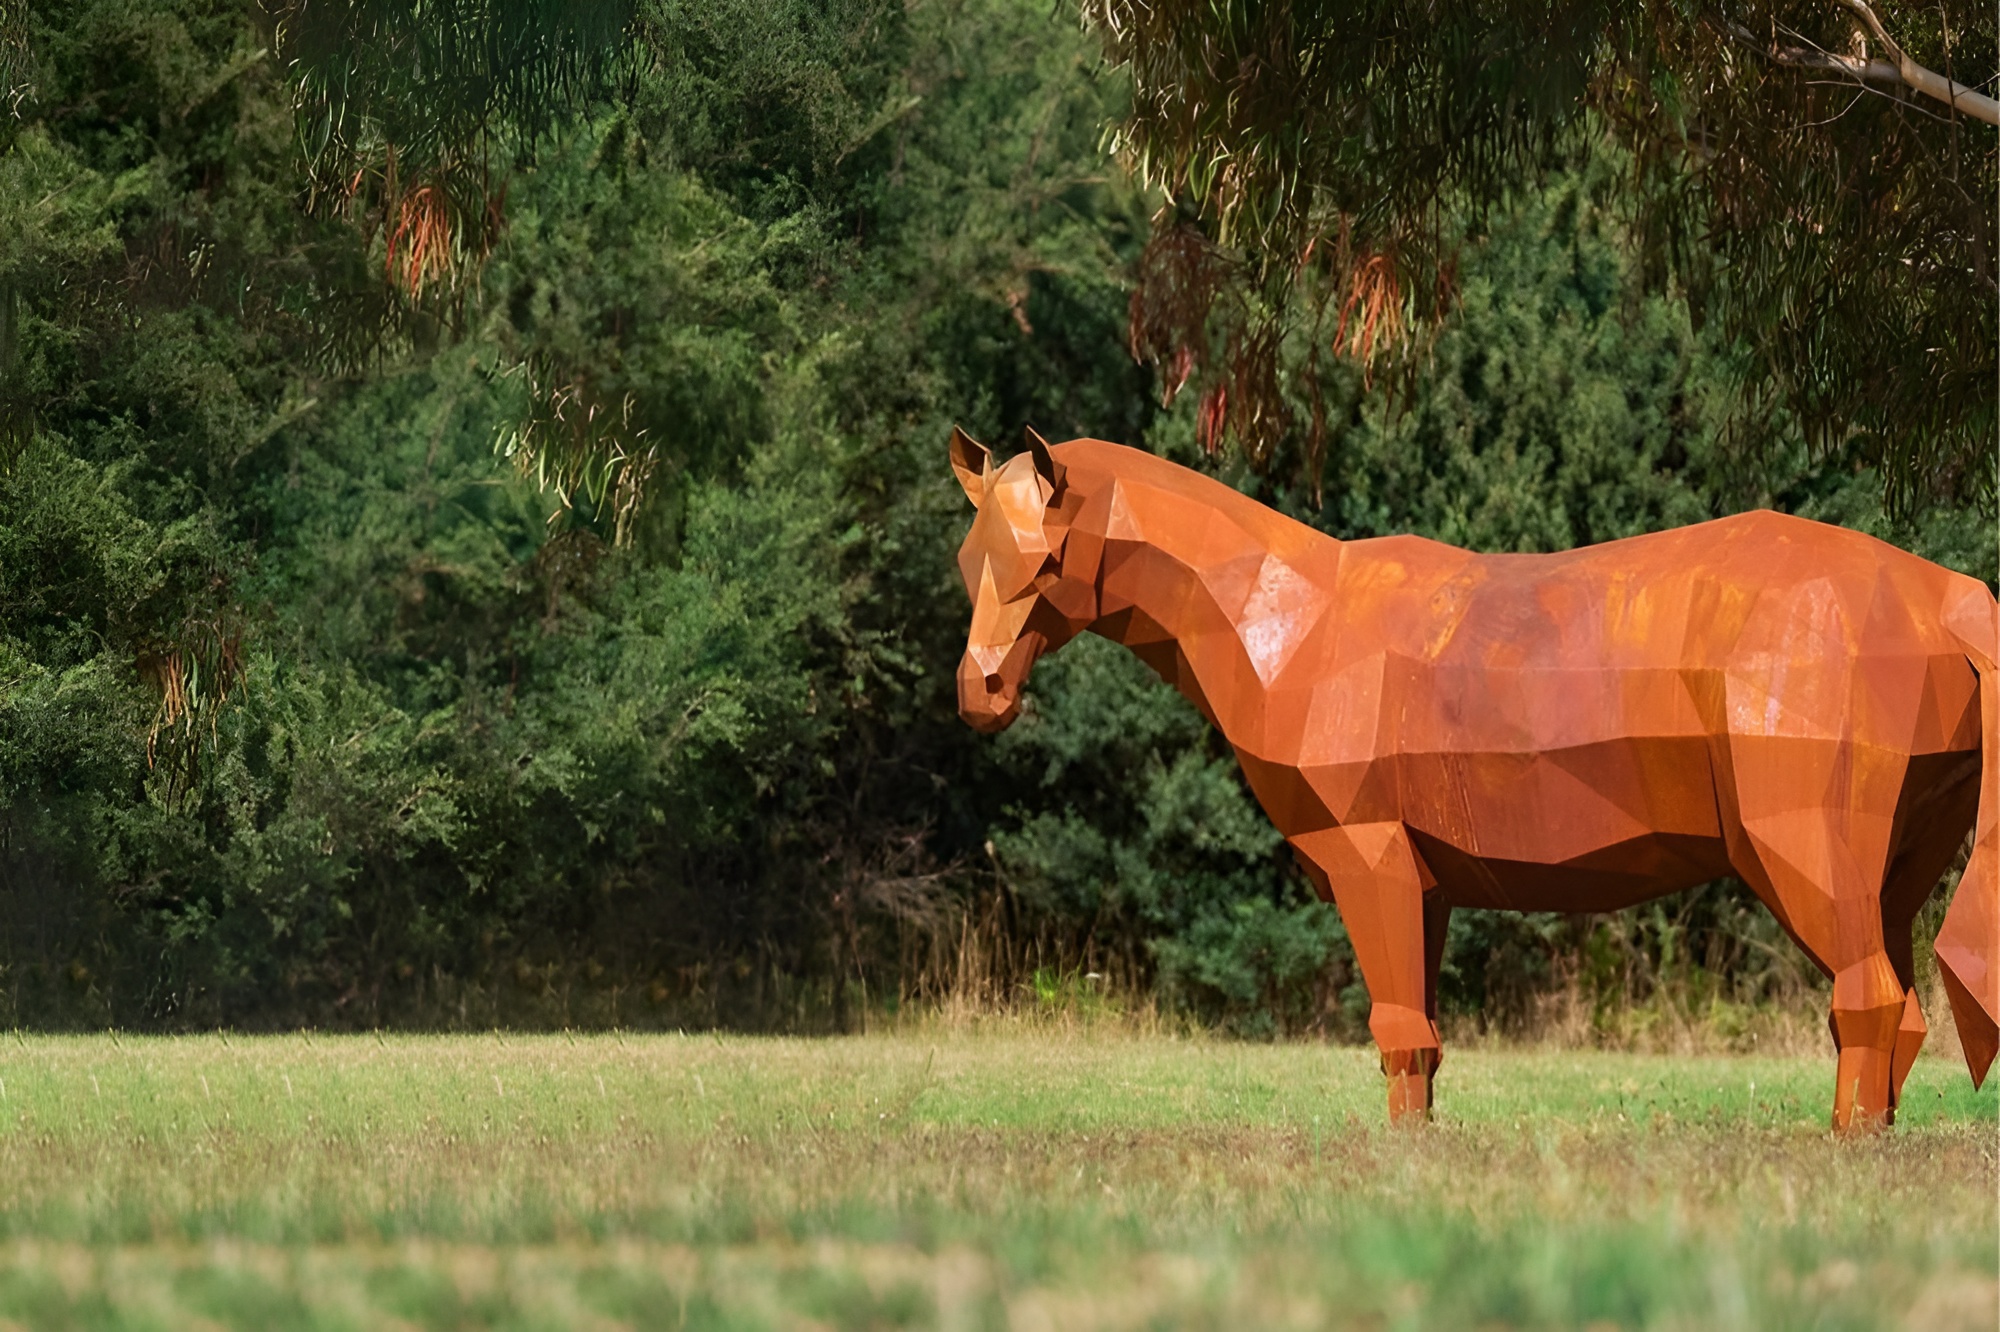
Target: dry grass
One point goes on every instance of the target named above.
(1025, 1175)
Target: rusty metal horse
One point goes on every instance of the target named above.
(1800, 705)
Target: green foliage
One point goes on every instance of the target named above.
(1133, 831)
(433, 80)
(491, 740)
(1318, 157)
(1559, 410)
(578, 649)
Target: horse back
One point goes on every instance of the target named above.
(1760, 624)
(1592, 713)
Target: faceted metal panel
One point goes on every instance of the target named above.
(1801, 705)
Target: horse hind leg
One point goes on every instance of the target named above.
(1869, 1008)
(1821, 868)
(1437, 926)
(1968, 947)
(1911, 1029)
(1929, 843)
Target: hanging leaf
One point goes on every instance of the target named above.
(1818, 177)
(411, 112)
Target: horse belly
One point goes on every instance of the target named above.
(1621, 876)
(1588, 827)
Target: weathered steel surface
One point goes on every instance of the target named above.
(1800, 705)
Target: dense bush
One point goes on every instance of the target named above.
(315, 707)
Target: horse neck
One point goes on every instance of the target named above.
(1158, 594)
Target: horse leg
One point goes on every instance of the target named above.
(1869, 1005)
(1373, 874)
(1929, 845)
(1912, 1029)
(1437, 922)
(1821, 871)
(1900, 904)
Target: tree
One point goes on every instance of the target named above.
(1810, 180)
(410, 112)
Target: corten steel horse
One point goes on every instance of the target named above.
(1797, 704)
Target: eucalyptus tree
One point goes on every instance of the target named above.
(1818, 176)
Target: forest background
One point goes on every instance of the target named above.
(332, 694)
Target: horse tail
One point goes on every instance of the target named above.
(1968, 947)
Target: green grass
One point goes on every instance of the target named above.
(1024, 1179)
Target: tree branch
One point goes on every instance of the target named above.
(1855, 67)
(1907, 71)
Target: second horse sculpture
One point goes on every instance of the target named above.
(1796, 704)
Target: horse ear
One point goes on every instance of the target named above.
(1046, 465)
(971, 463)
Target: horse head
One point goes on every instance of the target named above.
(1012, 565)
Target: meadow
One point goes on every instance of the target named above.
(1013, 1176)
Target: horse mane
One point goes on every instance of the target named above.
(1279, 533)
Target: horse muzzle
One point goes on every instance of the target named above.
(990, 680)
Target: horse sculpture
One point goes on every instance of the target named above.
(1800, 705)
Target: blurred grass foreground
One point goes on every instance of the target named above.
(999, 1177)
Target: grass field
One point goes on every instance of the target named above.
(1021, 1179)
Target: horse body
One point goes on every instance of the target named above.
(1794, 703)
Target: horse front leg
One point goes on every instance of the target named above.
(1375, 877)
